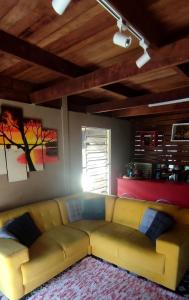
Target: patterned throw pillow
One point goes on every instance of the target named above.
(74, 208)
(154, 223)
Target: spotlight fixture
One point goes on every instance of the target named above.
(120, 38)
(141, 61)
(60, 5)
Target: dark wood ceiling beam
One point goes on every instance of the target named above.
(125, 90)
(144, 110)
(137, 101)
(14, 95)
(76, 107)
(14, 89)
(163, 119)
(167, 56)
(184, 69)
(15, 84)
(36, 55)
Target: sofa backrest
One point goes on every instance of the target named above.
(109, 204)
(46, 214)
(129, 212)
(183, 216)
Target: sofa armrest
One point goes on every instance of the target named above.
(12, 256)
(174, 244)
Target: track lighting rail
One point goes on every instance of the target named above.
(119, 38)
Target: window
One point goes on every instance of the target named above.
(96, 160)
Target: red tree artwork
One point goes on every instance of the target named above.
(34, 144)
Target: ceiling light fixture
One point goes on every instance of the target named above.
(169, 102)
(121, 39)
(60, 5)
(141, 61)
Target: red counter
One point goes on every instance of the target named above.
(171, 192)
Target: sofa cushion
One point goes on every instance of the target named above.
(128, 212)
(46, 214)
(139, 252)
(24, 229)
(88, 226)
(106, 238)
(154, 223)
(127, 246)
(70, 240)
(44, 254)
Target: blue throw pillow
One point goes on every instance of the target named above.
(24, 229)
(154, 223)
(93, 209)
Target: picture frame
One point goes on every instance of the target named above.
(180, 132)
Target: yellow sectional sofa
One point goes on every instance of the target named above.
(23, 269)
(115, 239)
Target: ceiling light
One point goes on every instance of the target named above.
(60, 5)
(141, 61)
(169, 102)
(122, 40)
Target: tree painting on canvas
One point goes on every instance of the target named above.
(24, 144)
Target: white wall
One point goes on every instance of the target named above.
(54, 180)
(120, 145)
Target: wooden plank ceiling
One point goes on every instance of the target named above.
(44, 56)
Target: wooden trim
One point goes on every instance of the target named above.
(167, 56)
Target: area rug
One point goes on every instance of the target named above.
(92, 279)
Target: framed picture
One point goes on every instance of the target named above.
(180, 132)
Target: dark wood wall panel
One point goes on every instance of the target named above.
(164, 150)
